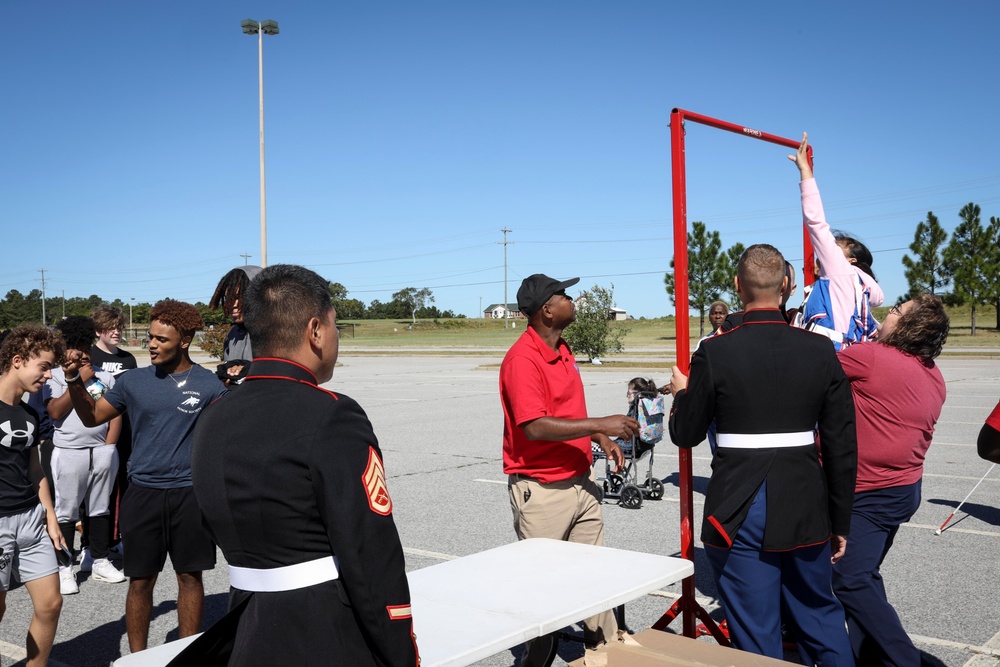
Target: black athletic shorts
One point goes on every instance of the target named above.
(157, 522)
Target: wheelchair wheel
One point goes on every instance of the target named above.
(614, 483)
(631, 497)
(655, 489)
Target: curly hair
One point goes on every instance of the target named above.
(182, 316)
(28, 341)
(922, 330)
(107, 318)
(78, 331)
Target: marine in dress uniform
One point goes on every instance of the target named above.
(771, 507)
(289, 477)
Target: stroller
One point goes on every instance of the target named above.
(627, 485)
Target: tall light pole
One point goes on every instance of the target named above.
(42, 271)
(269, 27)
(506, 316)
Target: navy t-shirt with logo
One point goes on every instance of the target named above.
(18, 437)
(163, 416)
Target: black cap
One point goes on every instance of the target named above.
(537, 289)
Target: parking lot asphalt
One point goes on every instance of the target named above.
(439, 423)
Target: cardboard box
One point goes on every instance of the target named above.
(663, 649)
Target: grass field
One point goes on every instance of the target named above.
(645, 337)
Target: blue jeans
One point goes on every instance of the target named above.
(877, 636)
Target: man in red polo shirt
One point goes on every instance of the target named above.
(546, 444)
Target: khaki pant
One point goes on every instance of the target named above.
(569, 510)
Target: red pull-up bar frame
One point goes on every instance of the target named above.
(686, 604)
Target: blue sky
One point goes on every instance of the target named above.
(401, 137)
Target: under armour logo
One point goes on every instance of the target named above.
(192, 401)
(21, 437)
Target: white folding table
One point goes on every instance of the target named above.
(473, 607)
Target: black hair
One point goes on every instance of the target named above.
(642, 385)
(857, 251)
(78, 331)
(278, 305)
(231, 287)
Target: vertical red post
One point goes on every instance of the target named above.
(682, 333)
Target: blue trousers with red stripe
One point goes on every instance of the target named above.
(755, 585)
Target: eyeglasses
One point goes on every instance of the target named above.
(895, 310)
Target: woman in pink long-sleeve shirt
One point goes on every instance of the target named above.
(840, 303)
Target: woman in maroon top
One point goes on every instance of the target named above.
(898, 393)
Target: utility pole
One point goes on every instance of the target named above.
(64, 304)
(246, 258)
(506, 316)
(42, 271)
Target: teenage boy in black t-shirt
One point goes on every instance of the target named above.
(106, 355)
(28, 525)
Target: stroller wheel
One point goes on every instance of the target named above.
(655, 489)
(631, 497)
(614, 483)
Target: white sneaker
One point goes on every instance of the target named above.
(86, 560)
(67, 581)
(104, 571)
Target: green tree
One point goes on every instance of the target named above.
(213, 318)
(925, 271)
(732, 261)
(594, 332)
(993, 266)
(347, 309)
(966, 259)
(706, 270)
(14, 310)
(413, 299)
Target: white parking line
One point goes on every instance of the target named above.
(967, 531)
(931, 474)
(429, 554)
(17, 653)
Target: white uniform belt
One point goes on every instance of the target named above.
(288, 578)
(835, 336)
(765, 440)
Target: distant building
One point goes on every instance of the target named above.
(499, 311)
(614, 313)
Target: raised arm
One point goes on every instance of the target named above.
(91, 413)
(833, 264)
